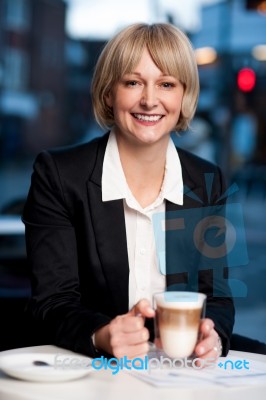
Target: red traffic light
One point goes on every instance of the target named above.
(259, 5)
(246, 79)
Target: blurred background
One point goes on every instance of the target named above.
(48, 49)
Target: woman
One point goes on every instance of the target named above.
(89, 211)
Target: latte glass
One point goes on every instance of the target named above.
(177, 321)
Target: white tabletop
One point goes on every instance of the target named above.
(104, 385)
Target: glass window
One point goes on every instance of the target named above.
(17, 14)
(16, 69)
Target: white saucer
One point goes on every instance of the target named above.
(62, 367)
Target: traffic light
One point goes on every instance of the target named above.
(256, 5)
(246, 79)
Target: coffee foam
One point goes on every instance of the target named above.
(180, 301)
(178, 318)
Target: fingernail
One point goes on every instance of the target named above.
(201, 350)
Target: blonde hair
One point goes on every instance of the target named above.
(170, 50)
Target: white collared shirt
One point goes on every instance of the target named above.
(145, 278)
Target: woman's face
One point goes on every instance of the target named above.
(146, 103)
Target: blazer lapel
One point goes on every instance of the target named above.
(110, 235)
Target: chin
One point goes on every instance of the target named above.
(151, 138)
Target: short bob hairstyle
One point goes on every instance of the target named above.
(170, 50)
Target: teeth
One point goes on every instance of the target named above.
(150, 118)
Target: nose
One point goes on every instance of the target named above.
(149, 97)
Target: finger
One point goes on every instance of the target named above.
(129, 339)
(207, 344)
(143, 308)
(126, 324)
(209, 356)
(131, 351)
(206, 327)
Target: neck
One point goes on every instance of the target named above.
(144, 168)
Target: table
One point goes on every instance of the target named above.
(104, 385)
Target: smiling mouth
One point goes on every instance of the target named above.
(147, 118)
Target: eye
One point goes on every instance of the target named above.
(131, 83)
(167, 85)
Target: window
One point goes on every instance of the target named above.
(16, 69)
(17, 14)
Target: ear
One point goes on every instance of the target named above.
(109, 99)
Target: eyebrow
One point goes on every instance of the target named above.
(139, 74)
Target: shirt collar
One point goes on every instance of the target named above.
(172, 187)
(114, 184)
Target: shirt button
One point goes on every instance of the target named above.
(142, 251)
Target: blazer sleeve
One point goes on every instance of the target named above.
(52, 255)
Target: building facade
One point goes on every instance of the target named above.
(32, 75)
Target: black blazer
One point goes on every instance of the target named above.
(77, 248)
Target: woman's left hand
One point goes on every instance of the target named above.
(209, 344)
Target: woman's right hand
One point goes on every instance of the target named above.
(126, 334)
